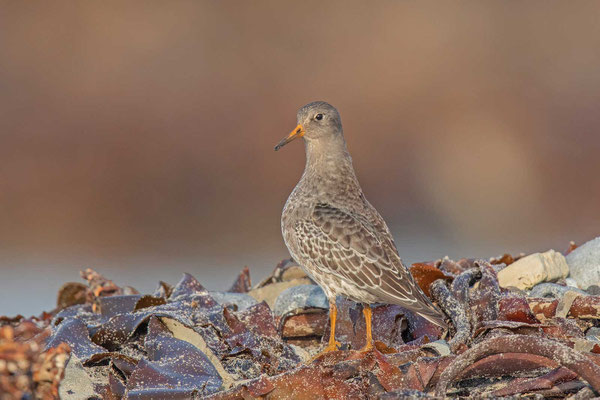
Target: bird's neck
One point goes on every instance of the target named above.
(329, 166)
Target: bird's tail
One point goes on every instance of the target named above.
(432, 315)
(420, 305)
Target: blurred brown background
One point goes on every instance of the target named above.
(137, 138)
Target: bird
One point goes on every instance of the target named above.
(336, 235)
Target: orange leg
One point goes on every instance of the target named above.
(332, 345)
(368, 316)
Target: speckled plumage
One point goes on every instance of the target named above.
(335, 234)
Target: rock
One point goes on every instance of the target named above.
(241, 300)
(593, 334)
(300, 297)
(553, 290)
(594, 290)
(303, 312)
(270, 292)
(533, 269)
(584, 264)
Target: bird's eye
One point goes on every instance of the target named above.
(319, 117)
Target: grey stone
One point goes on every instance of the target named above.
(271, 291)
(584, 264)
(300, 297)
(553, 290)
(241, 300)
(594, 290)
(593, 334)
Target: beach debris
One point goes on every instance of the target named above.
(584, 264)
(243, 283)
(455, 310)
(535, 268)
(287, 274)
(553, 290)
(299, 298)
(183, 341)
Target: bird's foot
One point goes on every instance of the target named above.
(367, 347)
(332, 346)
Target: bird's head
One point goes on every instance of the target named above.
(316, 121)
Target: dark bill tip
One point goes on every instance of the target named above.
(298, 132)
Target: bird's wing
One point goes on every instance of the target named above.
(347, 245)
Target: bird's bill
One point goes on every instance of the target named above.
(296, 133)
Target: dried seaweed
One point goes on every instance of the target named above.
(183, 341)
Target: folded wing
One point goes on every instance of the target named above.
(347, 245)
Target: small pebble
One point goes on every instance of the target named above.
(594, 290)
(300, 297)
(593, 334)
